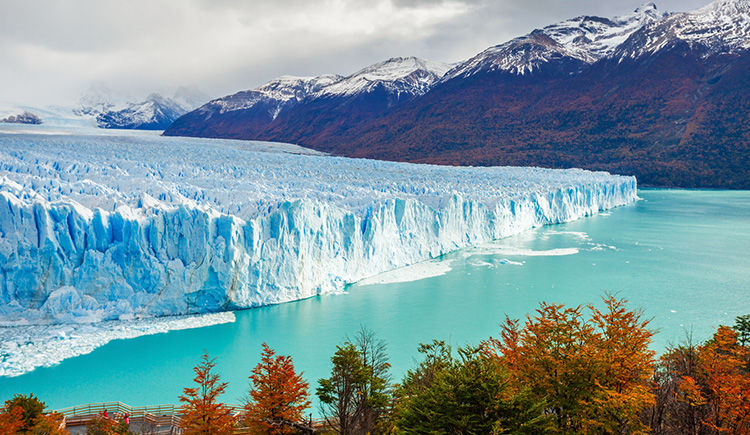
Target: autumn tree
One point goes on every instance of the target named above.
(52, 424)
(202, 413)
(592, 372)
(31, 408)
(101, 425)
(677, 409)
(703, 389)
(624, 365)
(24, 414)
(11, 420)
(278, 395)
(723, 363)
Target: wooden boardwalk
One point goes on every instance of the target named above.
(157, 420)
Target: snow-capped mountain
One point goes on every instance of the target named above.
(719, 27)
(409, 76)
(583, 39)
(156, 112)
(273, 96)
(99, 98)
(399, 77)
(661, 95)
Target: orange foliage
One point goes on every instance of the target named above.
(11, 422)
(102, 426)
(202, 413)
(593, 373)
(722, 363)
(49, 424)
(279, 395)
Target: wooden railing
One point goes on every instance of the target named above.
(165, 419)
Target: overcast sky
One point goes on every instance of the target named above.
(52, 51)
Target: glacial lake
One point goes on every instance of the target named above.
(683, 256)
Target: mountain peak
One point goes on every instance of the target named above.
(409, 75)
(723, 25)
(399, 75)
(583, 39)
(646, 8)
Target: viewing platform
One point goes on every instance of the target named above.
(156, 419)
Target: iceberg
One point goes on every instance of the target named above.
(119, 227)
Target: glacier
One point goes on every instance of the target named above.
(119, 227)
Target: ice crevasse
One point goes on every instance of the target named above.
(101, 228)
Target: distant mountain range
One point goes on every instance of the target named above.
(104, 108)
(328, 101)
(24, 117)
(664, 96)
(156, 112)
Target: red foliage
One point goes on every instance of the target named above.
(11, 422)
(202, 413)
(279, 395)
(722, 363)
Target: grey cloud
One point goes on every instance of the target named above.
(53, 50)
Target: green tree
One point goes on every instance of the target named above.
(339, 394)
(357, 395)
(468, 394)
(376, 391)
(742, 327)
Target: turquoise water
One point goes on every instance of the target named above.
(681, 256)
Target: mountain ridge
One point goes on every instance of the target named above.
(641, 94)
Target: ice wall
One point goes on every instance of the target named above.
(100, 228)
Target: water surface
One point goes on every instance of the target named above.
(682, 256)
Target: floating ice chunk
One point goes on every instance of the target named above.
(415, 272)
(522, 252)
(24, 348)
